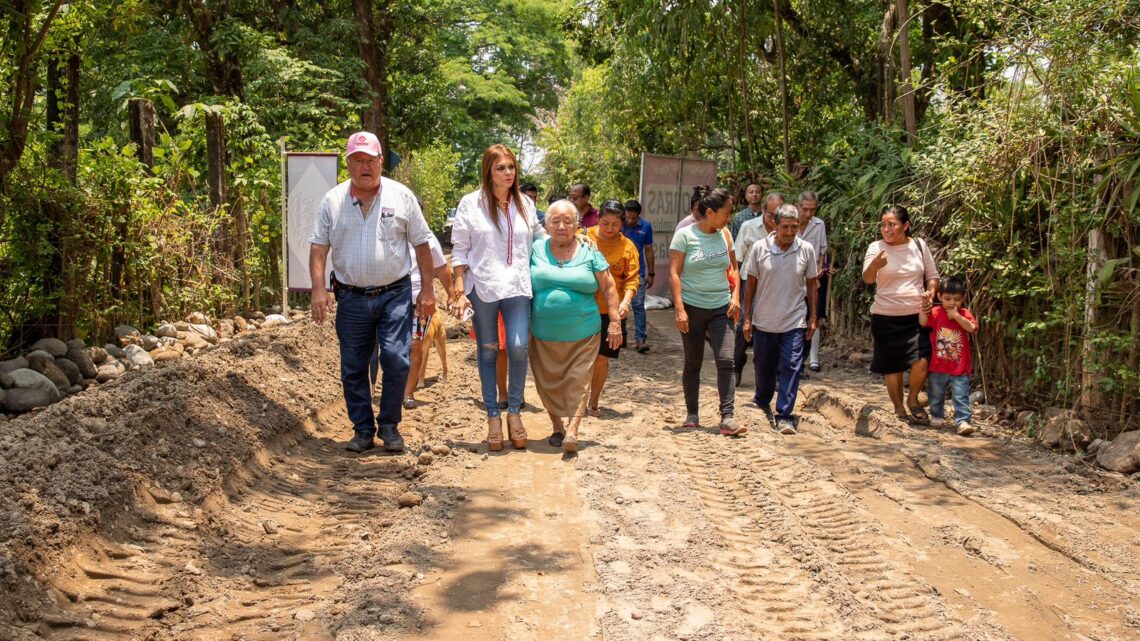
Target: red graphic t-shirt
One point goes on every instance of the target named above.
(950, 343)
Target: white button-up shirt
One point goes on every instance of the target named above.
(751, 232)
(437, 260)
(816, 234)
(497, 257)
(370, 250)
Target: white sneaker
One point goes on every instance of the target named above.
(965, 429)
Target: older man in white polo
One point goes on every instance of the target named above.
(368, 224)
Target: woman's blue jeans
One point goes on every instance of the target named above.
(516, 323)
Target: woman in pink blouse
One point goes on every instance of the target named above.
(903, 272)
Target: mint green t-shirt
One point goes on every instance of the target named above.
(703, 280)
(563, 307)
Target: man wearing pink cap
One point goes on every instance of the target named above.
(368, 223)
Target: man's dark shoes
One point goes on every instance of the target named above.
(393, 442)
(556, 439)
(360, 443)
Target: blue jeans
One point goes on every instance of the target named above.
(639, 313)
(516, 323)
(778, 360)
(959, 392)
(365, 324)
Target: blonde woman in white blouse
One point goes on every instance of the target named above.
(491, 242)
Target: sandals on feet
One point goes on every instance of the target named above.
(920, 415)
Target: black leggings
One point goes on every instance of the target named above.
(716, 326)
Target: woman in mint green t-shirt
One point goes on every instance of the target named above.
(702, 267)
(565, 275)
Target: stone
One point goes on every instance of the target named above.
(269, 527)
(1122, 454)
(977, 397)
(6, 381)
(69, 369)
(304, 615)
(1050, 412)
(182, 326)
(8, 366)
(273, 309)
(1065, 431)
(985, 412)
(257, 316)
(635, 615)
(855, 358)
(74, 389)
(110, 370)
(1096, 446)
(198, 442)
(43, 363)
(206, 332)
(225, 328)
(96, 354)
(274, 320)
(166, 330)
(167, 341)
(410, 499)
(138, 357)
(149, 342)
(30, 390)
(52, 346)
(165, 354)
(127, 335)
(76, 343)
(425, 459)
(194, 340)
(440, 450)
(1024, 417)
(240, 324)
(197, 318)
(82, 360)
(3, 398)
(38, 359)
(114, 351)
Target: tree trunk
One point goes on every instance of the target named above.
(886, 76)
(374, 26)
(1097, 256)
(783, 84)
(223, 236)
(141, 116)
(744, 104)
(904, 71)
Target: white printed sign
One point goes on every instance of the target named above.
(310, 177)
(666, 184)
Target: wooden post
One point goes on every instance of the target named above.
(1097, 256)
(284, 229)
(904, 70)
(141, 116)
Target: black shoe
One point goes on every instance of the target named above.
(360, 443)
(814, 367)
(555, 439)
(393, 442)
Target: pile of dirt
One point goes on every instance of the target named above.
(170, 434)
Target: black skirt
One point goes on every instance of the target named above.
(899, 343)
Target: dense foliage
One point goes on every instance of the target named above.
(91, 237)
(1024, 172)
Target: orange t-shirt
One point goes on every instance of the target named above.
(625, 266)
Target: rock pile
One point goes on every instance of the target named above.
(53, 369)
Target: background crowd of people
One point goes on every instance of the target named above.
(552, 292)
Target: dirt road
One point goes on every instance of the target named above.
(212, 500)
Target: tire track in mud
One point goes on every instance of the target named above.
(805, 559)
(247, 568)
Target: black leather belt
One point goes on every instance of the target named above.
(371, 291)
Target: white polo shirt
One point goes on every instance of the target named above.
(751, 232)
(779, 304)
(816, 235)
(497, 257)
(372, 250)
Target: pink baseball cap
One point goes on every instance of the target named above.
(363, 141)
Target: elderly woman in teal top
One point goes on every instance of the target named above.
(703, 275)
(565, 274)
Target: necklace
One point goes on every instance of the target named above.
(562, 262)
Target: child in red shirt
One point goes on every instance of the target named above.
(950, 363)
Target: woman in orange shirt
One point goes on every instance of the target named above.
(621, 254)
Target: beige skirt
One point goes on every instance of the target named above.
(562, 371)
